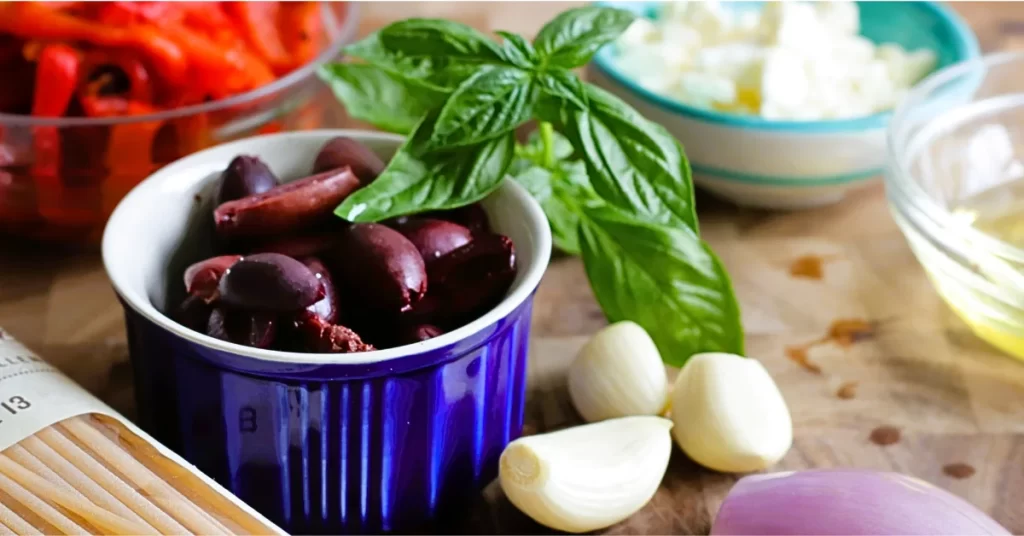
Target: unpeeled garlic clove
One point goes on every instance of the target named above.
(729, 415)
(587, 477)
(618, 373)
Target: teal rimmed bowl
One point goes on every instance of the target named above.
(792, 164)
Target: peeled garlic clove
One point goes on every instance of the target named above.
(618, 373)
(729, 415)
(587, 477)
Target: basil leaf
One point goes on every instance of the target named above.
(518, 51)
(562, 194)
(377, 96)
(563, 86)
(492, 102)
(572, 37)
(633, 163)
(439, 38)
(440, 72)
(535, 179)
(418, 180)
(664, 279)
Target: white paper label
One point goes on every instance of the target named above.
(35, 395)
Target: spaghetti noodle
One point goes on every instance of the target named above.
(85, 470)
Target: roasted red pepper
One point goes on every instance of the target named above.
(257, 21)
(115, 72)
(302, 30)
(34, 21)
(121, 59)
(56, 78)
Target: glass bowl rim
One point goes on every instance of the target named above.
(900, 179)
(345, 31)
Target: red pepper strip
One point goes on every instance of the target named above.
(57, 74)
(125, 13)
(130, 146)
(220, 71)
(129, 155)
(97, 106)
(270, 128)
(192, 133)
(302, 30)
(56, 78)
(257, 21)
(140, 87)
(32, 21)
(210, 18)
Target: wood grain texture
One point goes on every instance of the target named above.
(954, 399)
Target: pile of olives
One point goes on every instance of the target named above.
(292, 276)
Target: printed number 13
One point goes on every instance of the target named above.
(15, 404)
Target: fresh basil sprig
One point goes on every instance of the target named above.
(616, 187)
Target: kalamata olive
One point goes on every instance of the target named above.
(381, 266)
(318, 336)
(286, 208)
(193, 313)
(270, 282)
(343, 151)
(473, 278)
(471, 217)
(245, 176)
(202, 278)
(434, 238)
(240, 327)
(327, 307)
(300, 245)
(417, 332)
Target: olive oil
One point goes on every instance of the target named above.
(999, 213)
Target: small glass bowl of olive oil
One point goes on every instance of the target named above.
(955, 183)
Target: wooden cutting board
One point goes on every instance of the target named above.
(957, 404)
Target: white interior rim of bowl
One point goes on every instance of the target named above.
(342, 34)
(898, 147)
(532, 274)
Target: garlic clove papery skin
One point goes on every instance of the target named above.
(587, 477)
(729, 415)
(618, 373)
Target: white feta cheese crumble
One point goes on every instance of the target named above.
(789, 60)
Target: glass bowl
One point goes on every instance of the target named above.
(955, 184)
(101, 159)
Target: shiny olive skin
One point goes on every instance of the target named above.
(300, 245)
(270, 282)
(245, 176)
(203, 277)
(287, 208)
(327, 307)
(380, 266)
(343, 151)
(434, 238)
(474, 278)
(471, 217)
(240, 327)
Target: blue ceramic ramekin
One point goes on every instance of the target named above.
(790, 164)
(354, 443)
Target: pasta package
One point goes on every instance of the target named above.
(70, 464)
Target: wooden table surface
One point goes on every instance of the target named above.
(918, 369)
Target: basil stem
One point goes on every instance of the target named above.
(547, 136)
